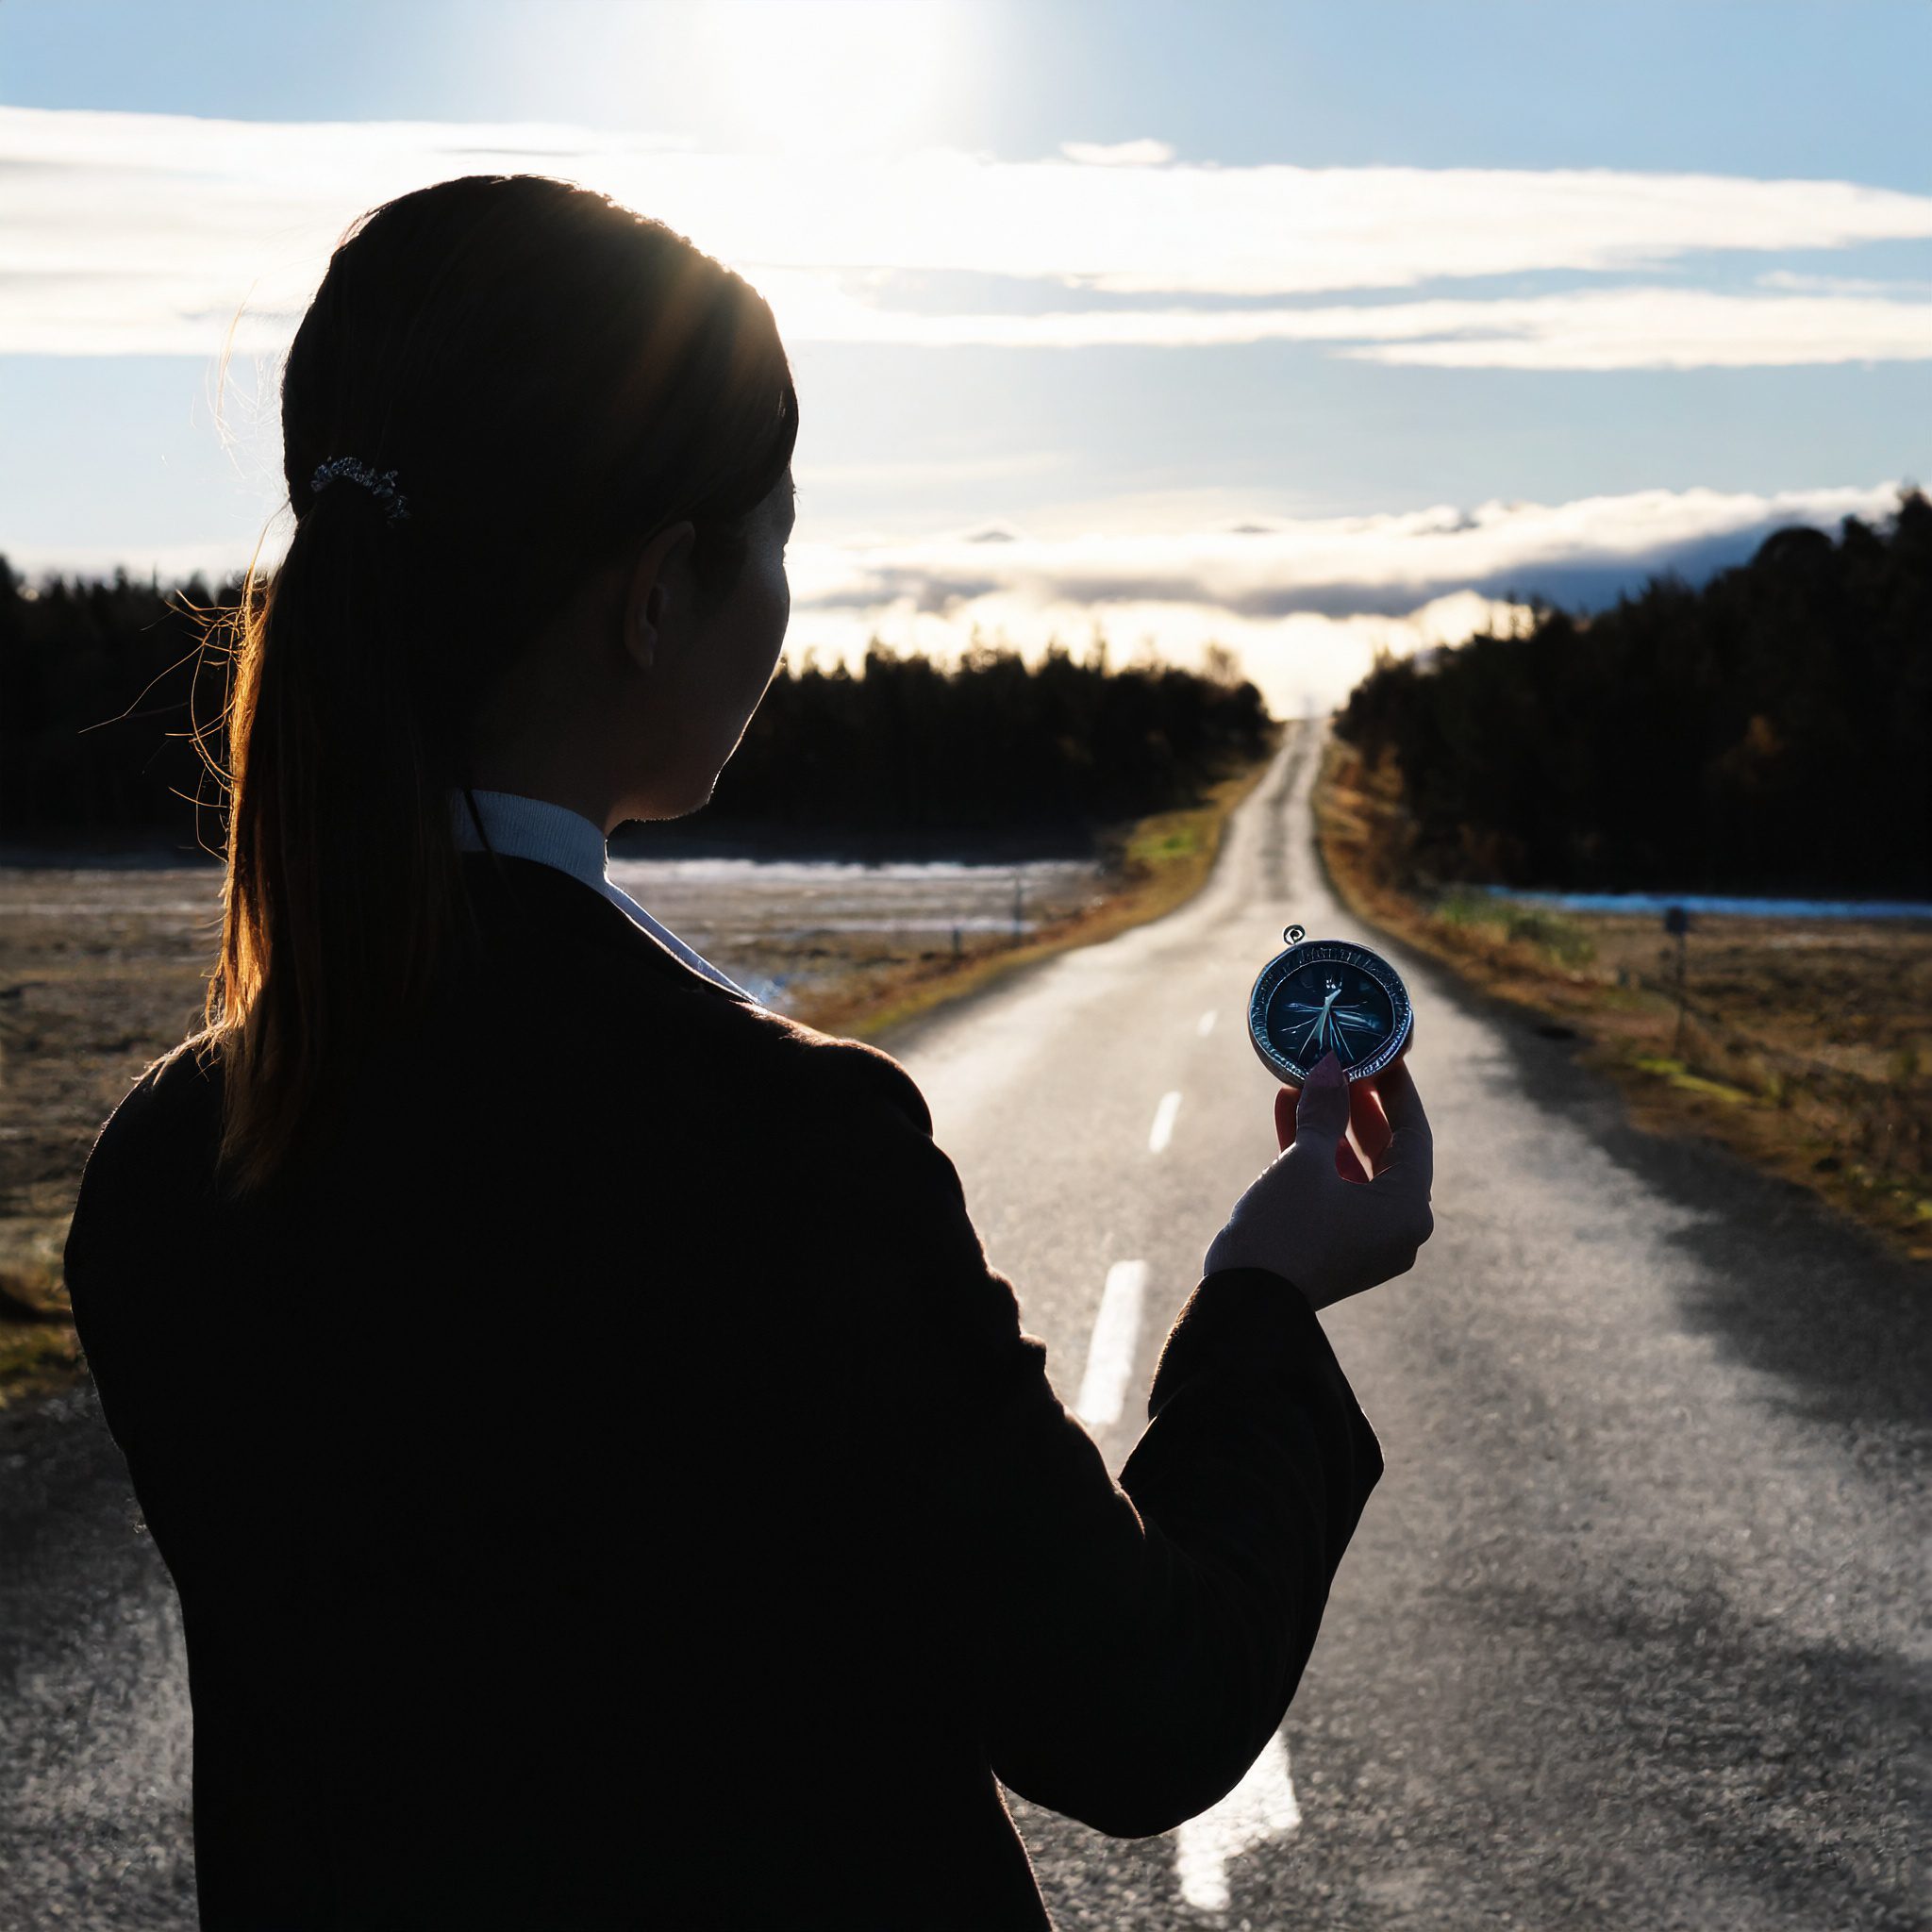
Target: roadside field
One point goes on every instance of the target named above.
(106, 968)
(1805, 1044)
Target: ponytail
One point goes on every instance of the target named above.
(343, 882)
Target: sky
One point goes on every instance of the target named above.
(1312, 330)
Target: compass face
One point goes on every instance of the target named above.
(1328, 994)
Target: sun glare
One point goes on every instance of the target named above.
(827, 75)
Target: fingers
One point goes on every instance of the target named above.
(1411, 1145)
(1369, 1122)
(1287, 1111)
(1400, 1103)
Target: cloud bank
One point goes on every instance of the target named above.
(1305, 605)
(1581, 553)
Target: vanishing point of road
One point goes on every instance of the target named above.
(1632, 1634)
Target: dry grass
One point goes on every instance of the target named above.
(1805, 1044)
(1153, 866)
(83, 1009)
(85, 1003)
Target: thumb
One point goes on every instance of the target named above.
(1322, 1110)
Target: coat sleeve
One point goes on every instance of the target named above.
(1136, 1643)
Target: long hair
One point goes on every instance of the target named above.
(552, 379)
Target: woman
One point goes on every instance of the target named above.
(604, 1483)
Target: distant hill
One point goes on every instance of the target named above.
(1769, 732)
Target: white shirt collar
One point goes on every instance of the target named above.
(554, 835)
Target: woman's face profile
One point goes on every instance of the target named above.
(710, 666)
(629, 707)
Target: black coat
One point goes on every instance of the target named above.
(611, 1488)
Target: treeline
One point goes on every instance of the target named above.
(95, 682)
(1768, 733)
(991, 746)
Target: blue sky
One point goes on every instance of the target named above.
(1426, 304)
(1824, 88)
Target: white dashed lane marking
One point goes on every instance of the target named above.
(1262, 1806)
(1111, 1354)
(1259, 1807)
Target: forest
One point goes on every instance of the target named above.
(96, 677)
(1770, 732)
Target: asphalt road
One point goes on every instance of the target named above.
(1631, 1635)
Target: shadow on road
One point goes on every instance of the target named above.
(1781, 1283)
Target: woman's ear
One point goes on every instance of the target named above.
(657, 591)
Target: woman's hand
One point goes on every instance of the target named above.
(1314, 1214)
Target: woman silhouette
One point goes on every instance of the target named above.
(604, 1483)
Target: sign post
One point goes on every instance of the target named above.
(1678, 921)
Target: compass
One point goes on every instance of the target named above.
(1323, 993)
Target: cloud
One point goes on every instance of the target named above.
(1588, 328)
(1305, 605)
(1303, 665)
(125, 233)
(1644, 329)
(1119, 153)
(1582, 553)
